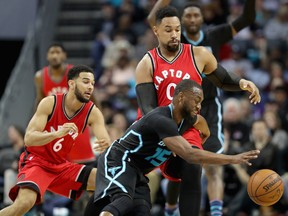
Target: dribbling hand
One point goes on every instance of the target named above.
(245, 157)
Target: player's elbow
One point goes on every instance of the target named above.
(27, 139)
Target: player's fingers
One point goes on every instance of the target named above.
(253, 153)
(248, 163)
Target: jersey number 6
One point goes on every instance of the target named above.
(58, 146)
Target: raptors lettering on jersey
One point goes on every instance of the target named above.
(165, 74)
(71, 133)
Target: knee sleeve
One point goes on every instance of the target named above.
(191, 176)
(140, 208)
(95, 209)
(120, 205)
(172, 192)
(190, 190)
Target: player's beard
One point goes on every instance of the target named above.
(172, 48)
(186, 111)
(79, 96)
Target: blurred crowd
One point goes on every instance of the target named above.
(258, 53)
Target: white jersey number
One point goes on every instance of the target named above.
(58, 146)
(170, 90)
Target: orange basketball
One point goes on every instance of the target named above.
(265, 187)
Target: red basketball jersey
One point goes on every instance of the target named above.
(167, 74)
(83, 151)
(51, 87)
(57, 150)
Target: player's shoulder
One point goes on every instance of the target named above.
(47, 104)
(200, 50)
(159, 112)
(39, 74)
(48, 99)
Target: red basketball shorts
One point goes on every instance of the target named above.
(67, 179)
(171, 168)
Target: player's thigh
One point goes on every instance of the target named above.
(91, 180)
(72, 181)
(34, 178)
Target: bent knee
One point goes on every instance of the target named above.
(91, 180)
(213, 171)
(25, 200)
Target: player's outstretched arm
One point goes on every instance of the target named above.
(181, 147)
(223, 79)
(152, 15)
(35, 134)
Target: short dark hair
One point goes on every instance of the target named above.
(76, 70)
(57, 44)
(192, 4)
(186, 85)
(167, 11)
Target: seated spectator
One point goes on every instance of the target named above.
(260, 139)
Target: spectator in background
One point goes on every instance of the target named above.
(232, 116)
(117, 81)
(279, 95)
(277, 27)
(9, 159)
(145, 42)
(276, 75)
(279, 136)
(268, 159)
(123, 26)
(238, 63)
(112, 51)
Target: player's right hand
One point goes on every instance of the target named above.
(66, 129)
(101, 145)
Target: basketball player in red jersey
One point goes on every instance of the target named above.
(162, 68)
(52, 79)
(50, 135)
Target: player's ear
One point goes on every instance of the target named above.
(180, 97)
(64, 56)
(71, 84)
(155, 30)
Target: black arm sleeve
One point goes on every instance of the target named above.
(224, 80)
(247, 17)
(146, 97)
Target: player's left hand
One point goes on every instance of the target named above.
(249, 86)
(101, 145)
(244, 157)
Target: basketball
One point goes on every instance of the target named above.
(265, 187)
